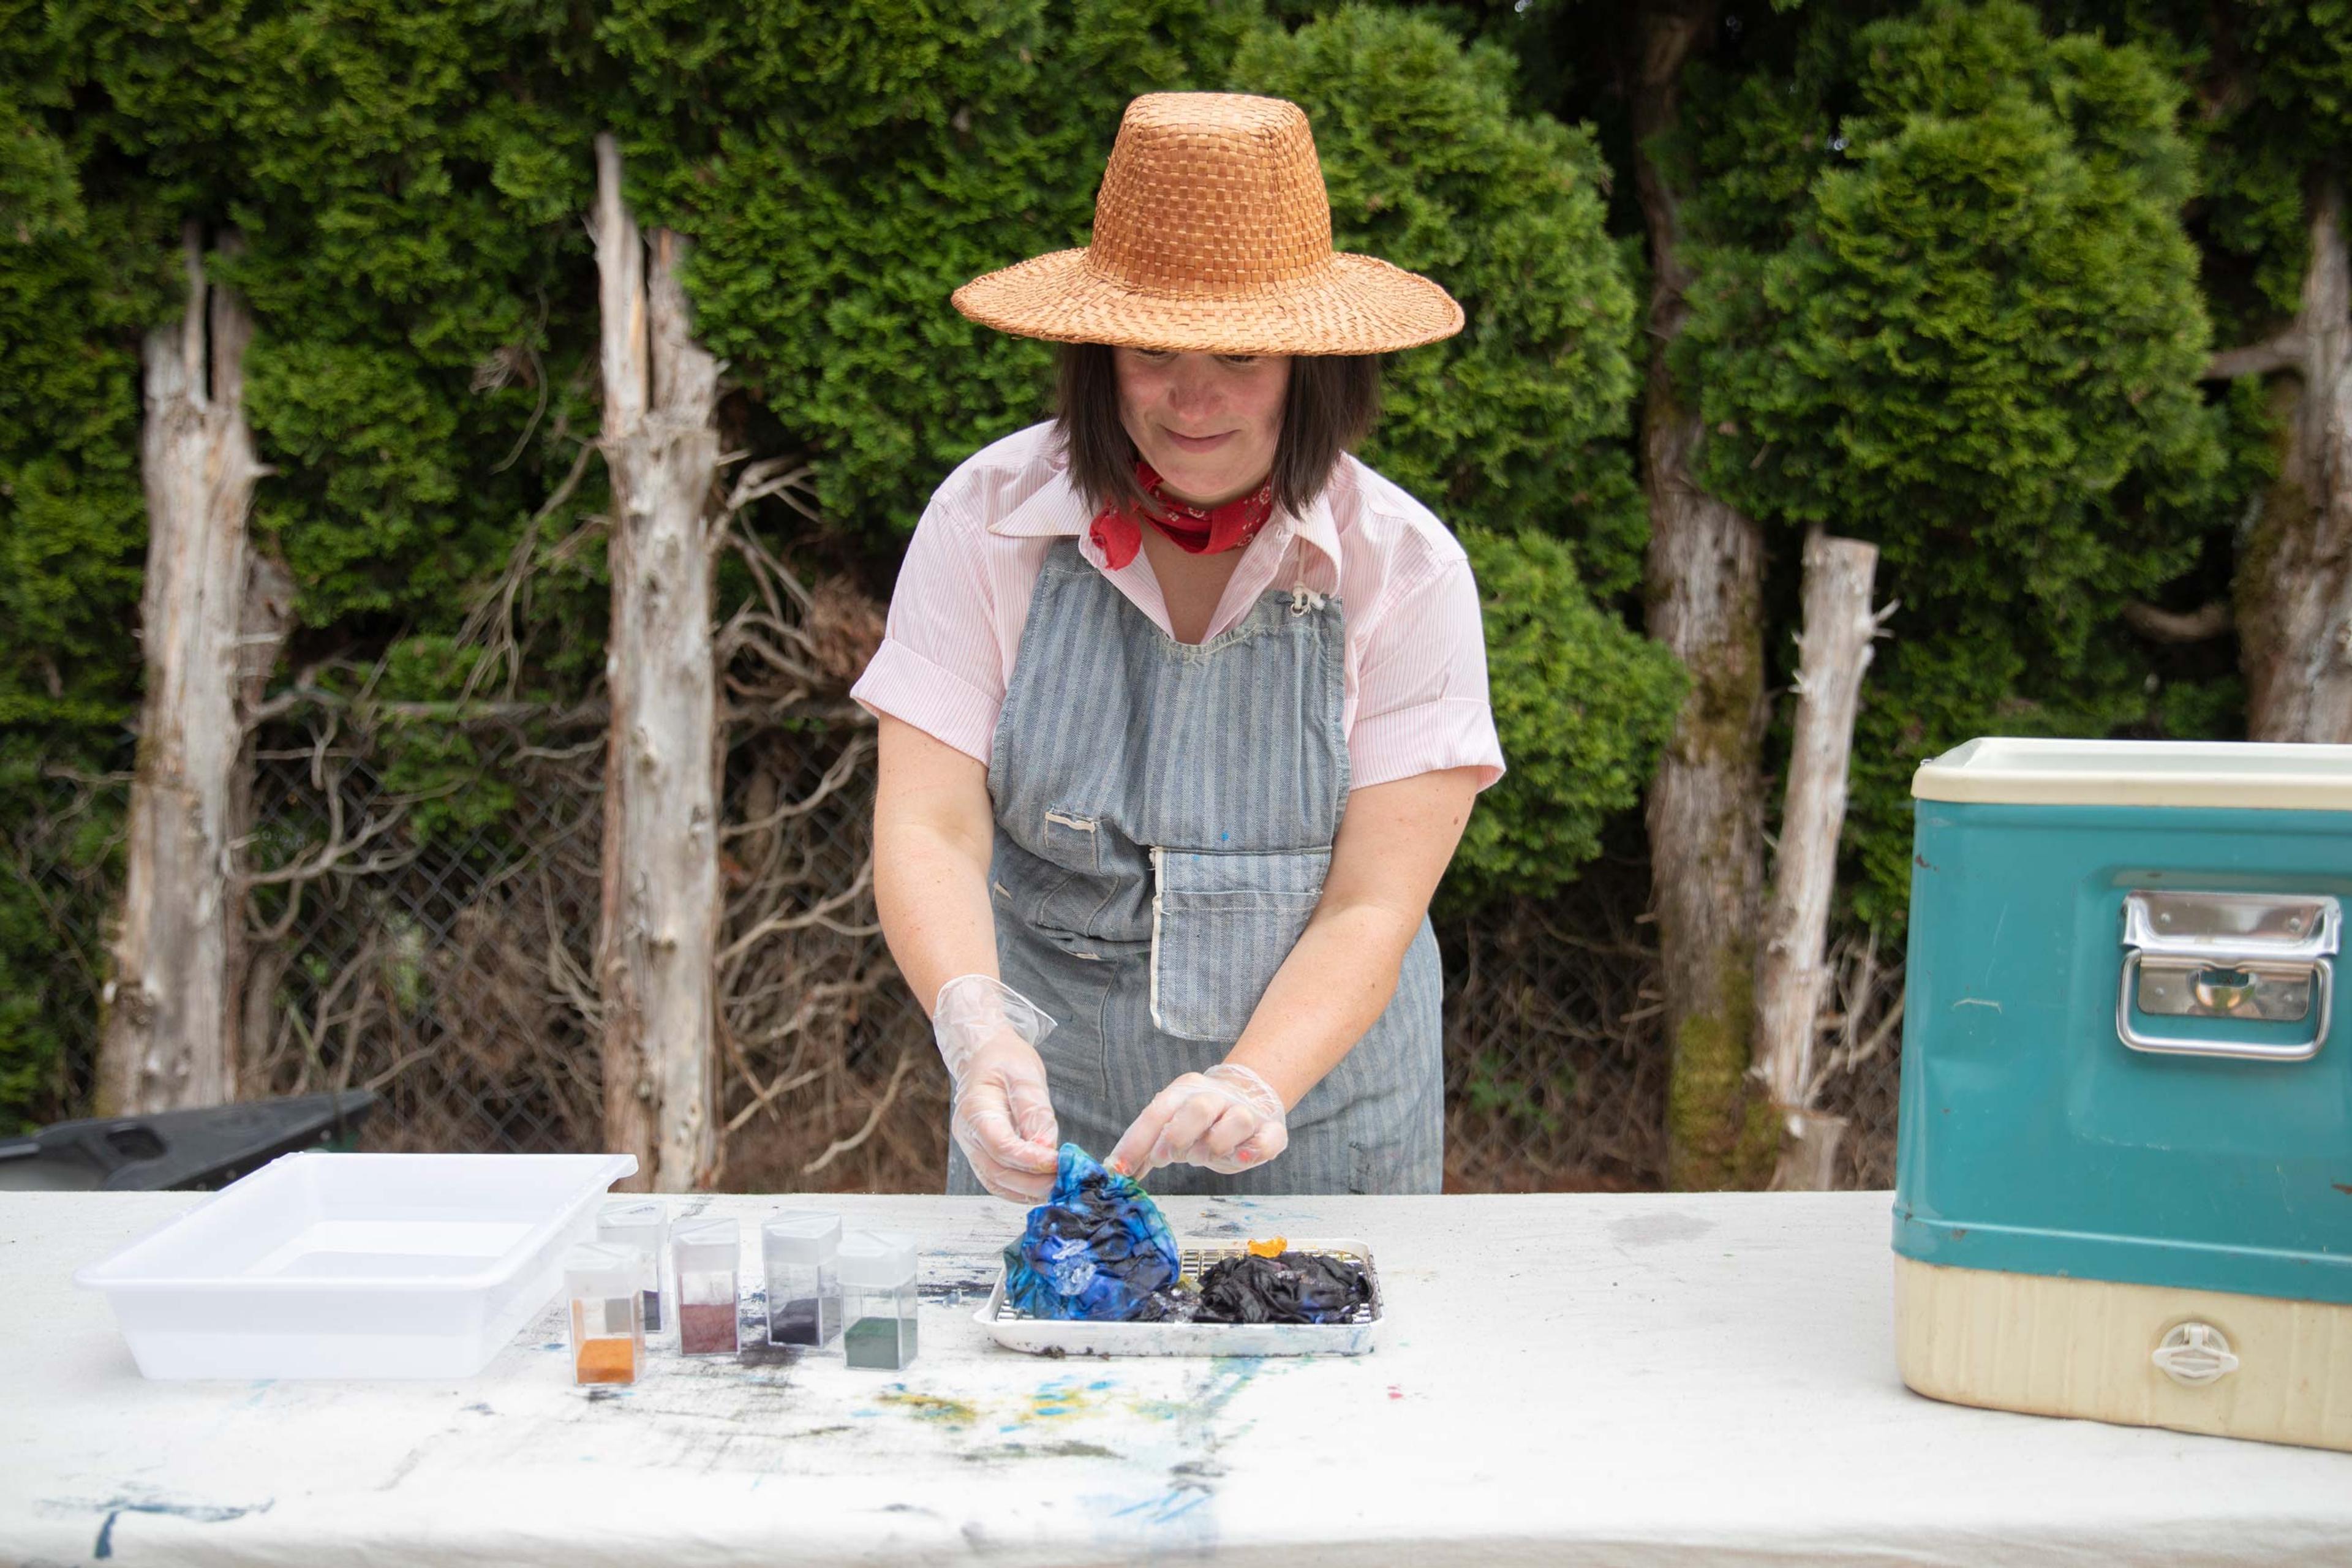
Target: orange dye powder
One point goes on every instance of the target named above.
(605, 1361)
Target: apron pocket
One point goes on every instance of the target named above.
(1070, 843)
(1221, 925)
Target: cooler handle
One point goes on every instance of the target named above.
(2223, 955)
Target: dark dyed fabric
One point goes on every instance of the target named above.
(1096, 1249)
(1295, 1288)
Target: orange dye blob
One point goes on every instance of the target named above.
(1271, 1246)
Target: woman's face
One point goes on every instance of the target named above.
(1206, 423)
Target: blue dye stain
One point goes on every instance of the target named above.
(1224, 838)
(203, 1515)
(1100, 1386)
(1173, 1504)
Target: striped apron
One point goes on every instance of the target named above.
(1165, 813)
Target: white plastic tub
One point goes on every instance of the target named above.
(356, 1265)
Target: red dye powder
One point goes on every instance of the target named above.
(702, 1330)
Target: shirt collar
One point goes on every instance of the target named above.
(1055, 509)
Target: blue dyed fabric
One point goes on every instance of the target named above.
(1096, 1249)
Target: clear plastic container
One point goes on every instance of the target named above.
(356, 1265)
(644, 1224)
(704, 1259)
(608, 1311)
(878, 1299)
(804, 1289)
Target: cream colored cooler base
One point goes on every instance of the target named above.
(2086, 1348)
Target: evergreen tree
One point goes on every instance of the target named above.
(1948, 304)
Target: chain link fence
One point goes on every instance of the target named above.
(435, 944)
(60, 875)
(423, 923)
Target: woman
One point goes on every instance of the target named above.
(1182, 707)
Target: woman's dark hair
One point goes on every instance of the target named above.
(1330, 407)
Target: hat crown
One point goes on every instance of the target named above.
(1211, 194)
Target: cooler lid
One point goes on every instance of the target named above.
(2242, 773)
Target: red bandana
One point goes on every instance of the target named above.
(1197, 531)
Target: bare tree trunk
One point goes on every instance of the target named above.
(1705, 585)
(2294, 574)
(1791, 970)
(657, 940)
(213, 615)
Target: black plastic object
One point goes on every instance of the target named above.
(1295, 1288)
(182, 1150)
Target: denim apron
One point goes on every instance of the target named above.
(1164, 818)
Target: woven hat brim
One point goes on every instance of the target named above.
(1358, 305)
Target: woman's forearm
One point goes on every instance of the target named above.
(1330, 990)
(933, 836)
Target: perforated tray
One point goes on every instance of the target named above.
(1015, 1330)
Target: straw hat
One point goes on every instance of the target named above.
(1213, 233)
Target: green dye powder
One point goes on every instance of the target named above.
(887, 1344)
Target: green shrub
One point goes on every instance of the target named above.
(1975, 340)
(1520, 421)
(1583, 703)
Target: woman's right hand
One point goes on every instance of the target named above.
(1003, 1119)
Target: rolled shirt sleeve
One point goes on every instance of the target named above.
(1420, 685)
(940, 666)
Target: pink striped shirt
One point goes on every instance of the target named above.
(1416, 655)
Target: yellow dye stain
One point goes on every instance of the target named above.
(1050, 1404)
(929, 1408)
(1063, 1397)
(1271, 1246)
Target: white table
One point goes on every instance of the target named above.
(1566, 1379)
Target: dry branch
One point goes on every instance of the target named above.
(661, 901)
(2294, 591)
(1791, 975)
(214, 613)
(2202, 624)
(1705, 571)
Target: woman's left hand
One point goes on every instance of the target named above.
(1227, 1118)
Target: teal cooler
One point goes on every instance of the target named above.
(2124, 1169)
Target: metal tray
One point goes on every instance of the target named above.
(1015, 1330)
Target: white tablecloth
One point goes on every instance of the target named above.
(1629, 1381)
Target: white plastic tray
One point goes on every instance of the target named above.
(356, 1265)
(1039, 1336)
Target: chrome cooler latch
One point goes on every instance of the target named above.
(2265, 957)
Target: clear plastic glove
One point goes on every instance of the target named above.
(1004, 1121)
(1227, 1118)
